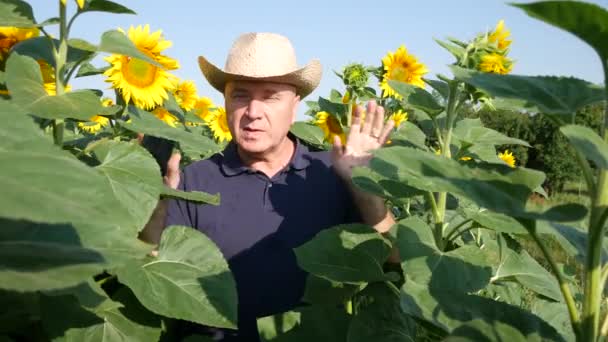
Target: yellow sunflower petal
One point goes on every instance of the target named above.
(495, 63)
(164, 115)
(507, 157)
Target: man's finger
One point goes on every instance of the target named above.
(172, 177)
(369, 117)
(337, 150)
(386, 131)
(378, 122)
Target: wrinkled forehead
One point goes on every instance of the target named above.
(252, 87)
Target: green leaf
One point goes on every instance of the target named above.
(346, 253)
(572, 240)
(188, 280)
(454, 49)
(272, 328)
(50, 21)
(374, 183)
(194, 196)
(42, 48)
(471, 131)
(31, 262)
(314, 323)
(118, 43)
(146, 123)
(379, 318)
(556, 314)
(558, 96)
(339, 110)
(36, 175)
(308, 132)
(448, 310)
(588, 144)
(88, 69)
(417, 97)
(125, 320)
(105, 6)
(495, 221)
(440, 86)
(479, 330)
(16, 13)
(24, 83)
(587, 21)
(409, 135)
(523, 268)
(464, 269)
(134, 177)
(320, 291)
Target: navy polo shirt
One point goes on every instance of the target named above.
(260, 220)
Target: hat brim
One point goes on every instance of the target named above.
(305, 79)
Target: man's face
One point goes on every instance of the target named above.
(260, 113)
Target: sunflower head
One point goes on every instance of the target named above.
(10, 36)
(164, 115)
(218, 123)
(48, 78)
(185, 94)
(144, 83)
(398, 117)
(500, 36)
(401, 66)
(202, 107)
(507, 157)
(95, 125)
(355, 75)
(495, 63)
(330, 125)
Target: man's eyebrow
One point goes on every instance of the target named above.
(239, 90)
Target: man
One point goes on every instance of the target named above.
(275, 193)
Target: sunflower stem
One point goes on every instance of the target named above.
(60, 58)
(596, 232)
(446, 152)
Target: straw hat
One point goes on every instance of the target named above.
(263, 57)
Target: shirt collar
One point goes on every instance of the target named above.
(232, 165)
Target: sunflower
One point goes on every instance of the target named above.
(507, 157)
(96, 122)
(164, 115)
(401, 66)
(330, 126)
(500, 35)
(218, 123)
(185, 94)
(495, 63)
(144, 83)
(79, 2)
(202, 107)
(398, 117)
(10, 36)
(48, 78)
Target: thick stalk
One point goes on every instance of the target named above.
(446, 152)
(563, 285)
(593, 265)
(60, 59)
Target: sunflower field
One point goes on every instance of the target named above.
(80, 181)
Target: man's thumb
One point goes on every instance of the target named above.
(172, 177)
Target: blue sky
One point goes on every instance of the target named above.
(338, 33)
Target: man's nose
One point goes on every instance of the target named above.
(255, 109)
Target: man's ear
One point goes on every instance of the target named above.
(296, 103)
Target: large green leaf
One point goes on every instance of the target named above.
(587, 21)
(274, 328)
(587, 143)
(146, 123)
(134, 177)
(571, 239)
(379, 318)
(118, 43)
(320, 291)
(409, 135)
(372, 182)
(44, 256)
(455, 50)
(449, 309)
(24, 310)
(121, 320)
(30, 261)
(24, 82)
(312, 323)
(495, 221)
(189, 279)
(16, 13)
(105, 6)
(345, 253)
(42, 183)
(41, 48)
(310, 133)
(496, 187)
(471, 131)
(417, 97)
(559, 96)
(556, 314)
(479, 330)
(524, 269)
(464, 269)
